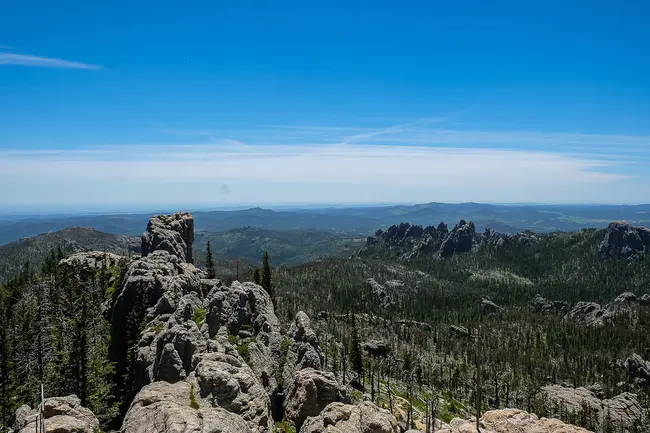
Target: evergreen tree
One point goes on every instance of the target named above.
(209, 262)
(266, 276)
(257, 276)
(356, 359)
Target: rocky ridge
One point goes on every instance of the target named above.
(408, 241)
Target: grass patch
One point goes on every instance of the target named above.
(198, 316)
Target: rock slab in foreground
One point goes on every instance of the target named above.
(512, 421)
(347, 418)
(62, 415)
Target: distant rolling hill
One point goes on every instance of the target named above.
(73, 239)
(246, 244)
(284, 247)
(352, 221)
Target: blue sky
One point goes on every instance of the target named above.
(135, 104)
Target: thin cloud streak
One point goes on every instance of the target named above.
(43, 62)
(150, 174)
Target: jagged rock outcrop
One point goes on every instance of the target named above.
(406, 241)
(219, 344)
(461, 239)
(88, 263)
(346, 418)
(624, 409)
(589, 314)
(541, 304)
(381, 293)
(245, 310)
(511, 421)
(308, 388)
(488, 306)
(376, 348)
(62, 415)
(171, 233)
(624, 305)
(638, 369)
(645, 299)
(153, 288)
(622, 240)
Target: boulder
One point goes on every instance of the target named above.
(224, 380)
(90, 262)
(246, 310)
(380, 292)
(62, 415)
(645, 299)
(488, 306)
(624, 409)
(173, 408)
(589, 313)
(626, 298)
(376, 348)
(638, 369)
(309, 393)
(511, 421)
(171, 233)
(346, 418)
(541, 304)
(622, 240)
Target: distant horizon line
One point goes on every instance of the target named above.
(78, 210)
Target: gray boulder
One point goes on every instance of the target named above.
(171, 233)
(346, 418)
(589, 313)
(624, 409)
(380, 292)
(62, 415)
(541, 304)
(309, 393)
(626, 298)
(173, 408)
(638, 369)
(304, 351)
(376, 348)
(246, 310)
(645, 299)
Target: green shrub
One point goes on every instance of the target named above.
(198, 316)
(284, 427)
(193, 403)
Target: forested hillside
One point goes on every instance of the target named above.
(420, 324)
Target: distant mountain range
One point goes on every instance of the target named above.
(352, 220)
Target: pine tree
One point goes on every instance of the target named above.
(266, 276)
(257, 276)
(209, 263)
(356, 359)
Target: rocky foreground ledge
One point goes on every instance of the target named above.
(212, 359)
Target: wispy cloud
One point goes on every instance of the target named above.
(314, 173)
(42, 62)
